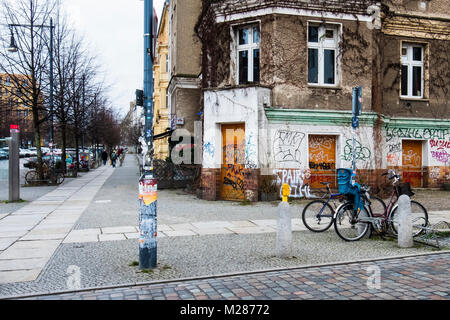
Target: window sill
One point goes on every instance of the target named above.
(414, 99)
(319, 86)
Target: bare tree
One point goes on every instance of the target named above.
(28, 68)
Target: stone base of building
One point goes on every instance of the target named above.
(211, 186)
(299, 181)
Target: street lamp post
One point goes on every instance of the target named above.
(13, 48)
(147, 183)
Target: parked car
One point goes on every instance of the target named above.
(4, 155)
(33, 152)
(24, 153)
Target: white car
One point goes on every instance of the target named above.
(33, 152)
(24, 153)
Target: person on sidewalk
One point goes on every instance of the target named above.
(104, 157)
(113, 158)
(122, 156)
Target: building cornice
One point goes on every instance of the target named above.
(331, 117)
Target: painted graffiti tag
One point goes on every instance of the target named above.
(287, 146)
(412, 159)
(440, 144)
(297, 180)
(393, 159)
(237, 184)
(392, 148)
(435, 173)
(441, 156)
(442, 134)
(209, 149)
(322, 166)
(361, 153)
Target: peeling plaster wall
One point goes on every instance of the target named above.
(227, 107)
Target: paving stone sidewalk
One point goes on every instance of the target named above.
(425, 277)
(30, 235)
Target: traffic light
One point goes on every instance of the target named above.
(139, 98)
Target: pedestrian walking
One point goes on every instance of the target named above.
(122, 156)
(104, 157)
(113, 158)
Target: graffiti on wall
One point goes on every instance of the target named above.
(287, 146)
(297, 180)
(440, 150)
(412, 159)
(411, 133)
(435, 173)
(209, 149)
(395, 147)
(361, 153)
(393, 159)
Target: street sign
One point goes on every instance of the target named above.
(355, 122)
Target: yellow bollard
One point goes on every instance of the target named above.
(286, 192)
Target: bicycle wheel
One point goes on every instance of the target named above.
(317, 216)
(377, 206)
(419, 218)
(31, 177)
(346, 228)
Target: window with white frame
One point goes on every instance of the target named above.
(412, 83)
(323, 43)
(248, 41)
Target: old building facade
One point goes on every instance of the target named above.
(13, 109)
(277, 82)
(184, 64)
(161, 123)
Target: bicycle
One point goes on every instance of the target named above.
(318, 215)
(50, 175)
(351, 227)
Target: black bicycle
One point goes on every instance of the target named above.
(319, 215)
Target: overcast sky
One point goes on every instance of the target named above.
(114, 31)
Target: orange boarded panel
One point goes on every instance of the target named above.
(233, 162)
(412, 162)
(322, 160)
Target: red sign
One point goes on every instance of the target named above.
(14, 127)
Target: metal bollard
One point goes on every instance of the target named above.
(284, 226)
(405, 232)
(14, 159)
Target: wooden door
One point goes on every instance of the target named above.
(322, 160)
(233, 162)
(412, 162)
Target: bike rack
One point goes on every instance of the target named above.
(432, 234)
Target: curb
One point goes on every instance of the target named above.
(218, 276)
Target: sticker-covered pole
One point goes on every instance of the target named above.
(147, 183)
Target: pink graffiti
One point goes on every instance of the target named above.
(441, 156)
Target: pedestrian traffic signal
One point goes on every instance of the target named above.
(139, 98)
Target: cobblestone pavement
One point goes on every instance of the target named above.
(422, 277)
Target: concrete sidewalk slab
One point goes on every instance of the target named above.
(5, 243)
(19, 276)
(22, 264)
(118, 230)
(111, 237)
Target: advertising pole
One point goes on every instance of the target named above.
(147, 184)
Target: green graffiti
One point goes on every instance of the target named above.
(361, 153)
